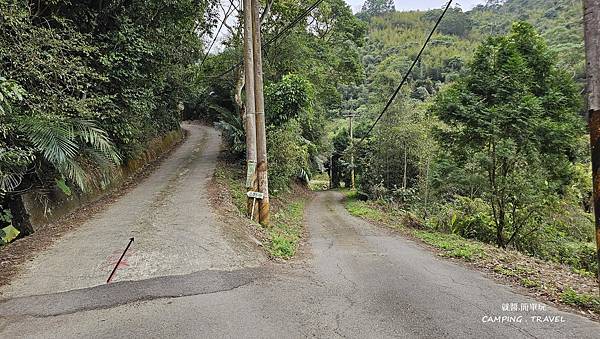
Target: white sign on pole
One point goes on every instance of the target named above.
(255, 195)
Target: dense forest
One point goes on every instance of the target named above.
(486, 140)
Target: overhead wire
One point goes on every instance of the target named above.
(225, 17)
(403, 81)
(279, 34)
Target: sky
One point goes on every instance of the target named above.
(403, 5)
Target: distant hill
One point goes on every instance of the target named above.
(395, 38)
(559, 21)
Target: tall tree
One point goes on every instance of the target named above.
(514, 117)
(377, 7)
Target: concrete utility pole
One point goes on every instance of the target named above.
(591, 20)
(352, 183)
(250, 123)
(261, 133)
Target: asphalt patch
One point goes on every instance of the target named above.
(120, 293)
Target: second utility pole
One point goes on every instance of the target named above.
(261, 133)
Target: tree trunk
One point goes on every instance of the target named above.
(20, 216)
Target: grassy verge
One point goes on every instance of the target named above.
(452, 245)
(550, 281)
(282, 238)
(287, 228)
(319, 182)
(230, 176)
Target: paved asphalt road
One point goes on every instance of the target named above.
(355, 280)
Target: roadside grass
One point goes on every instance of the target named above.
(359, 209)
(286, 230)
(571, 297)
(370, 210)
(547, 280)
(282, 238)
(231, 176)
(319, 182)
(452, 245)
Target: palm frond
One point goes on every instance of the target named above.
(97, 138)
(77, 148)
(54, 138)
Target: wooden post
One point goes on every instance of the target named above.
(591, 20)
(261, 133)
(250, 123)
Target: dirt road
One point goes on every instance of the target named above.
(357, 281)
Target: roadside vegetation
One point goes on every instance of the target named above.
(302, 93)
(302, 86)
(84, 86)
(282, 239)
(487, 140)
(484, 153)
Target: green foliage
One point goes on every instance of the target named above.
(559, 23)
(282, 246)
(302, 73)
(288, 155)
(455, 22)
(7, 231)
(362, 210)
(376, 7)
(77, 149)
(232, 177)
(469, 218)
(85, 85)
(8, 234)
(507, 106)
(288, 99)
(453, 246)
(514, 117)
(286, 231)
(233, 129)
(571, 297)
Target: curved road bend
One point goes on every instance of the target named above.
(168, 214)
(358, 281)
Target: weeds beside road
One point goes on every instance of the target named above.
(282, 238)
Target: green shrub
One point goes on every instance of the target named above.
(469, 218)
(282, 246)
(453, 245)
(571, 297)
(287, 156)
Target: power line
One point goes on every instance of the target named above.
(279, 34)
(226, 16)
(294, 22)
(404, 79)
